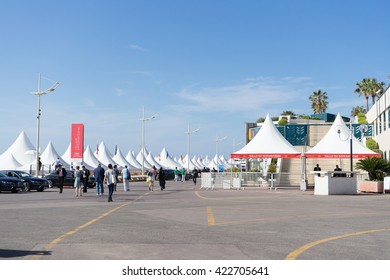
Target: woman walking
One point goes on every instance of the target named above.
(77, 180)
(161, 178)
(110, 180)
(152, 176)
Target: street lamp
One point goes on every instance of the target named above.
(216, 143)
(235, 145)
(143, 120)
(39, 93)
(189, 132)
(350, 136)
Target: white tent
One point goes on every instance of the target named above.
(104, 156)
(152, 161)
(267, 143)
(121, 160)
(336, 144)
(90, 158)
(22, 150)
(50, 155)
(167, 161)
(196, 163)
(146, 164)
(8, 161)
(189, 164)
(130, 157)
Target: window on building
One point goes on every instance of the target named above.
(380, 124)
(388, 117)
(384, 121)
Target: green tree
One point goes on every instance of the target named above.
(376, 167)
(288, 113)
(319, 102)
(369, 87)
(357, 110)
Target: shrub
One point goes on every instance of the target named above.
(376, 167)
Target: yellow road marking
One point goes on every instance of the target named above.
(295, 254)
(69, 233)
(210, 217)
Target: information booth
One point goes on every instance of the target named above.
(335, 182)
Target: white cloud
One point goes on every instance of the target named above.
(138, 48)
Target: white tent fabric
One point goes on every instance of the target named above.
(200, 162)
(195, 162)
(8, 161)
(130, 157)
(91, 159)
(267, 143)
(50, 155)
(104, 156)
(152, 161)
(336, 144)
(121, 160)
(22, 150)
(167, 161)
(66, 156)
(145, 162)
(189, 164)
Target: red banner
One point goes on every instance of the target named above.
(77, 141)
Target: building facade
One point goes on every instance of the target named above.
(379, 117)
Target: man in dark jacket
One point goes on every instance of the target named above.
(61, 172)
(99, 176)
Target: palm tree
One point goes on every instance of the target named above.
(319, 102)
(377, 168)
(357, 110)
(369, 87)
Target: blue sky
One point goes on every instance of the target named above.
(213, 64)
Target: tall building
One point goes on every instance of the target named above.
(379, 117)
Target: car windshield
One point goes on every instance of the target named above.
(24, 174)
(2, 175)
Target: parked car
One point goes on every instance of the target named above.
(29, 181)
(10, 184)
(52, 178)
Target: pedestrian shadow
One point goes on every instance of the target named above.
(8, 253)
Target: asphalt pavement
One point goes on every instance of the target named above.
(188, 223)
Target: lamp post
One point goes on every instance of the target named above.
(143, 120)
(189, 132)
(39, 93)
(217, 140)
(350, 136)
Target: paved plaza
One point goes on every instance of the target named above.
(185, 222)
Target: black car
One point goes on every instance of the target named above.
(52, 178)
(29, 181)
(10, 184)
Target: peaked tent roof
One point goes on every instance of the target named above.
(152, 161)
(121, 160)
(132, 160)
(167, 161)
(336, 144)
(50, 155)
(267, 143)
(145, 161)
(8, 161)
(104, 156)
(90, 158)
(21, 149)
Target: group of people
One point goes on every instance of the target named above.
(317, 170)
(153, 175)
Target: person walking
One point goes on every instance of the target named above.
(194, 176)
(110, 180)
(176, 173)
(116, 171)
(161, 178)
(61, 172)
(152, 177)
(77, 180)
(85, 178)
(183, 175)
(126, 179)
(98, 173)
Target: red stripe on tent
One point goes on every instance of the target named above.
(341, 155)
(265, 155)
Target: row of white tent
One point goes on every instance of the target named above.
(21, 155)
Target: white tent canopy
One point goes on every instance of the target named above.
(146, 164)
(152, 161)
(130, 157)
(267, 143)
(90, 158)
(104, 156)
(167, 161)
(336, 144)
(8, 161)
(22, 150)
(121, 160)
(50, 155)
